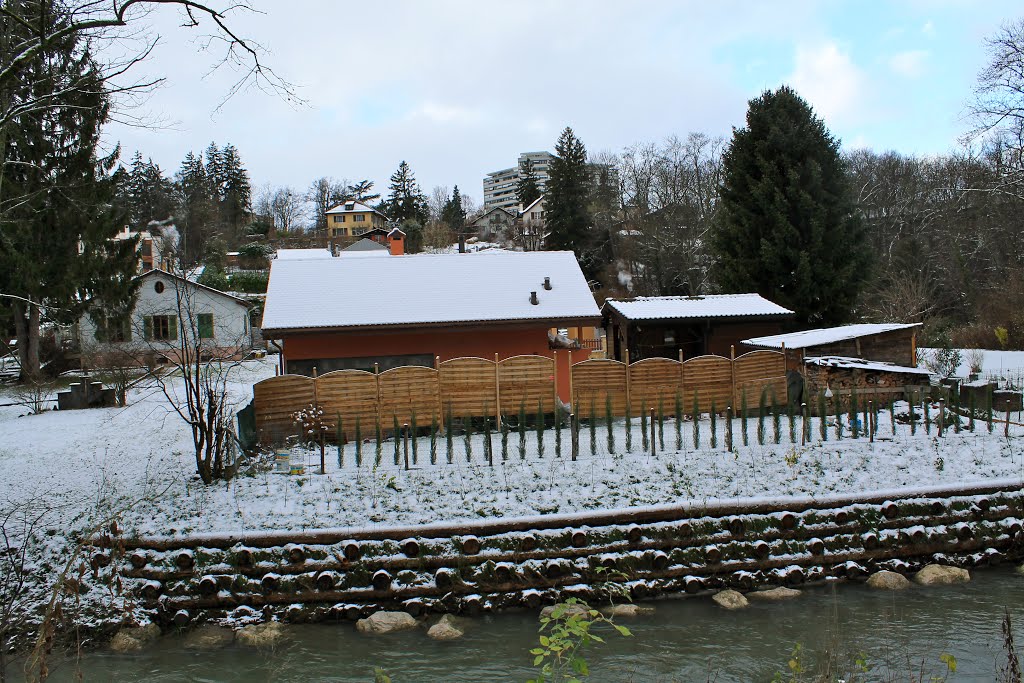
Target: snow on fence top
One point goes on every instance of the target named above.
(427, 289)
(683, 307)
(824, 335)
(861, 364)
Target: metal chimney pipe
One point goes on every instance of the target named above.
(533, 298)
(547, 283)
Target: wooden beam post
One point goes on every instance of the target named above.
(629, 396)
(440, 401)
(497, 394)
(376, 374)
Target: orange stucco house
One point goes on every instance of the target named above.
(355, 313)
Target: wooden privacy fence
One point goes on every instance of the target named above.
(659, 382)
(482, 388)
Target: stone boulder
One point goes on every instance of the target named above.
(627, 610)
(730, 599)
(209, 637)
(941, 575)
(888, 581)
(774, 594)
(262, 636)
(382, 622)
(134, 638)
(569, 611)
(447, 628)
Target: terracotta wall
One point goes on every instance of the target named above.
(447, 344)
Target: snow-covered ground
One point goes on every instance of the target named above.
(93, 461)
(1007, 366)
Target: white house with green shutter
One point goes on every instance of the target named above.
(169, 311)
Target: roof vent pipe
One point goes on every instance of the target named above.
(547, 283)
(533, 298)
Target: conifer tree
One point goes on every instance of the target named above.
(786, 226)
(566, 202)
(58, 210)
(453, 214)
(406, 202)
(527, 189)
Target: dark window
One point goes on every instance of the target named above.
(158, 287)
(162, 327)
(113, 330)
(339, 219)
(206, 325)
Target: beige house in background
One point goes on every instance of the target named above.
(352, 218)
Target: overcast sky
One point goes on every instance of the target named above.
(460, 88)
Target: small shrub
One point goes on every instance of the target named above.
(539, 426)
(396, 434)
(629, 428)
(644, 436)
(521, 427)
(743, 417)
(661, 423)
(679, 422)
(714, 425)
(592, 428)
(433, 439)
(467, 435)
(609, 423)
(696, 421)
(358, 433)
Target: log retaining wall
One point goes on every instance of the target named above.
(645, 552)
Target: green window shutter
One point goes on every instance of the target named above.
(206, 325)
(126, 324)
(148, 327)
(173, 325)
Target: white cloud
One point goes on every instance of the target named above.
(910, 64)
(828, 79)
(928, 29)
(436, 112)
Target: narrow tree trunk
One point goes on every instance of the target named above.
(26, 325)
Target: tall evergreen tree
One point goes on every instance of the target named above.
(406, 202)
(197, 208)
(453, 214)
(234, 194)
(362, 192)
(566, 203)
(786, 226)
(144, 193)
(56, 251)
(527, 188)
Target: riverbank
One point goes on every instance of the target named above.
(682, 640)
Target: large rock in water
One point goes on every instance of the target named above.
(730, 599)
(571, 610)
(772, 594)
(386, 622)
(134, 638)
(447, 628)
(626, 610)
(261, 636)
(888, 581)
(209, 637)
(941, 575)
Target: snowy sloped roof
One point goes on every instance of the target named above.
(353, 207)
(366, 245)
(861, 364)
(825, 335)
(683, 307)
(426, 290)
(302, 254)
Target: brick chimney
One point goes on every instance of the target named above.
(396, 242)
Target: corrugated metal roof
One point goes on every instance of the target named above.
(825, 335)
(685, 307)
(426, 289)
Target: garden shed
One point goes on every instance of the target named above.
(670, 326)
(894, 343)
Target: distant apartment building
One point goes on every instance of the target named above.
(500, 186)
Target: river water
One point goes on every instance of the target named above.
(686, 639)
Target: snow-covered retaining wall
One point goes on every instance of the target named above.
(489, 565)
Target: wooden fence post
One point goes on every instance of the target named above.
(497, 394)
(803, 424)
(1006, 424)
(732, 374)
(682, 392)
(571, 397)
(316, 396)
(654, 443)
(405, 440)
(440, 401)
(376, 374)
(574, 436)
(942, 415)
(728, 428)
(629, 396)
(871, 421)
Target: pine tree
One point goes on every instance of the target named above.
(197, 207)
(566, 202)
(453, 214)
(406, 202)
(786, 226)
(235, 194)
(58, 210)
(527, 189)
